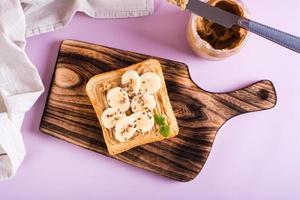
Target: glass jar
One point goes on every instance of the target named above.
(215, 42)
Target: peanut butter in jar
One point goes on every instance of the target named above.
(213, 41)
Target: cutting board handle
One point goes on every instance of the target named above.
(256, 97)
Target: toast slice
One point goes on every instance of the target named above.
(97, 88)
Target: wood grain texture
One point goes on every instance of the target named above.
(69, 115)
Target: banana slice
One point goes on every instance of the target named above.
(118, 98)
(143, 102)
(125, 128)
(150, 83)
(110, 116)
(144, 121)
(131, 82)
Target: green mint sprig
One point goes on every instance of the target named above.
(164, 128)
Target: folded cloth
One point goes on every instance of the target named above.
(20, 84)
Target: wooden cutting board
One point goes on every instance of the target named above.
(69, 115)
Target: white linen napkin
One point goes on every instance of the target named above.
(20, 84)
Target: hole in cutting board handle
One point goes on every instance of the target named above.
(263, 94)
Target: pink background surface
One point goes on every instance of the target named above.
(255, 156)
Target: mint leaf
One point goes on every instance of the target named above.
(159, 119)
(165, 130)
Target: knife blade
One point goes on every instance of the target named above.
(214, 14)
(228, 19)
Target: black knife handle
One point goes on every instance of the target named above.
(284, 39)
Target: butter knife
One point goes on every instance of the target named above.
(228, 19)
